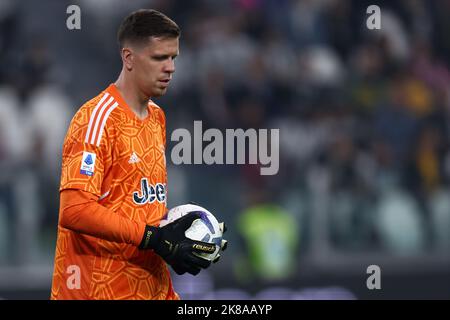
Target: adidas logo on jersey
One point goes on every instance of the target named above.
(134, 158)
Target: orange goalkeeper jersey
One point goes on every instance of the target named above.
(119, 160)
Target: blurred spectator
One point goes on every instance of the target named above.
(48, 105)
(399, 223)
(440, 219)
(270, 237)
(13, 146)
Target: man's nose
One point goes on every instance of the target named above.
(170, 66)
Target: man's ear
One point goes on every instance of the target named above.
(127, 58)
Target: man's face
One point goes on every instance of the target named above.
(153, 65)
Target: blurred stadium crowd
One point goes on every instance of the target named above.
(364, 119)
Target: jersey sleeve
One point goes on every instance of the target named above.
(81, 212)
(85, 159)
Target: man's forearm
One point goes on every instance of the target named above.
(81, 212)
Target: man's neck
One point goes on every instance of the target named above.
(137, 102)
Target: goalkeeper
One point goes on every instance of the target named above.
(114, 180)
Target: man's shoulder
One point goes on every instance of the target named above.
(100, 100)
(95, 116)
(98, 110)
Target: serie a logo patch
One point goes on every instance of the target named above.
(88, 163)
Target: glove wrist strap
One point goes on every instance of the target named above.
(151, 235)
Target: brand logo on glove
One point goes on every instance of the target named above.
(204, 248)
(147, 238)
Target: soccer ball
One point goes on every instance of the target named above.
(206, 228)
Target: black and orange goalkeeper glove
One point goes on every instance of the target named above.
(175, 248)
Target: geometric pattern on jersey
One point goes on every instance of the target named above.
(107, 127)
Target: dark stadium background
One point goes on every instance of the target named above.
(364, 119)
